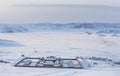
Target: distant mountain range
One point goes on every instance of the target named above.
(101, 28)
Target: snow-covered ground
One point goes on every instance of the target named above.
(59, 43)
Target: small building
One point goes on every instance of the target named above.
(51, 62)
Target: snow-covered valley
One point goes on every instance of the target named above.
(86, 41)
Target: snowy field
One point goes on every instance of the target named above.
(16, 42)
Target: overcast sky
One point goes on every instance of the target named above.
(96, 2)
(92, 11)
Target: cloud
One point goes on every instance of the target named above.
(26, 13)
(64, 5)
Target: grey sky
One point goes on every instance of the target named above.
(96, 2)
(90, 11)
